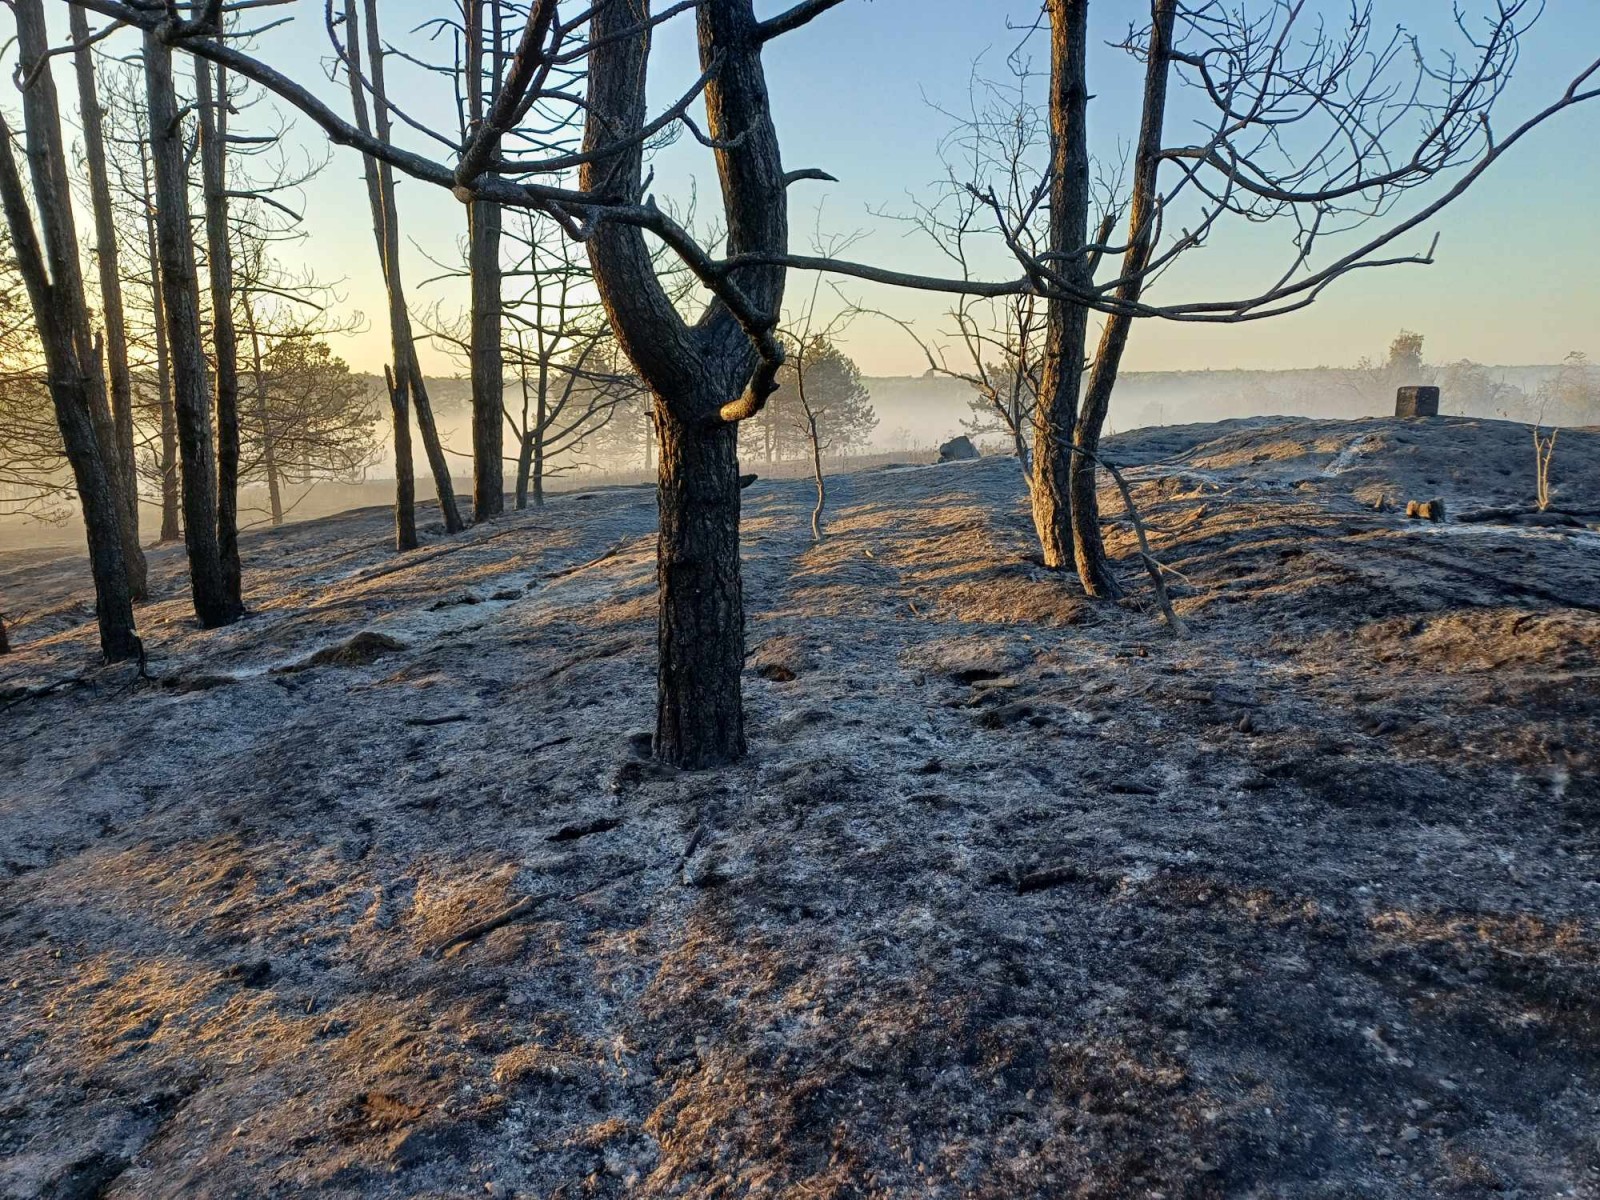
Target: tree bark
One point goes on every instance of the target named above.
(484, 223)
(700, 622)
(71, 394)
(107, 259)
(1066, 322)
(1088, 545)
(213, 110)
(180, 292)
(488, 367)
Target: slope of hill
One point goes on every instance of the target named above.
(1016, 895)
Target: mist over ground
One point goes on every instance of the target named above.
(915, 413)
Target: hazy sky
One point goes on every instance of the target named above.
(857, 93)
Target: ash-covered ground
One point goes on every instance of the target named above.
(1016, 895)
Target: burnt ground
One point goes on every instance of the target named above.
(1016, 895)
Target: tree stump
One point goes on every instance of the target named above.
(1416, 402)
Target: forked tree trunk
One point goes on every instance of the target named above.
(699, 709)
(106, 255)
(488, 482)
(1089, 550)
(1066, 322)
(72, 395)
(181, 296)
(695, 373)
(213, 109)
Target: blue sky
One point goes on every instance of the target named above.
(857, 93)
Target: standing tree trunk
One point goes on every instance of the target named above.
(106, 255)
(72, 394)
(816, 474)
(483, 256)
(1089, 548)
(484, 221)
(47, 167)
(407, 387)
(524, 468)
(541, 428)
(700, 634)
(696, 375)
(1066, 322)
(181, 297)
(405, 477)
(213, 109)
(269, 447)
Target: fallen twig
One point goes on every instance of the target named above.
(473, 932)
(516, 912)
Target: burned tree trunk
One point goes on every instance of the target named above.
(1088, 546)
(1066, 322)
(699, 713)
(213, 109)
(488, 368)
(106, 255)
(47, 168)
(71, 393)
(484, 223)
(180, 293)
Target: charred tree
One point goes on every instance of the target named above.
(180, 294)
(47, 168)
(113, 315)
(1066, 321)
(62, 330)
(212, 103)
(484, 226)
(1089, 549)
(697, 374)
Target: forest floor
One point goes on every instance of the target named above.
(1016, 895)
